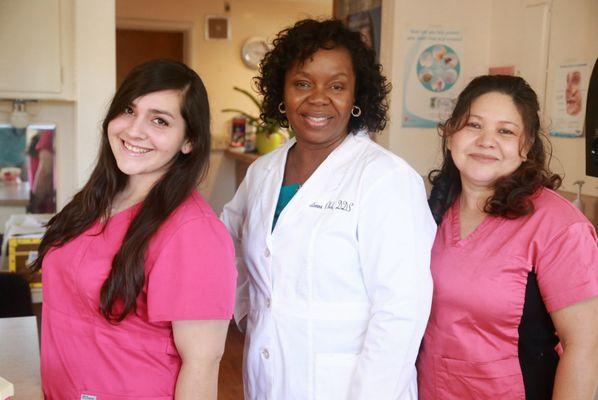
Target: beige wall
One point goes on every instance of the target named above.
(535, 49)
(95, 77)
(421, 147)
(219, 63)
(496, 32)
(533, 35)
(573, 36)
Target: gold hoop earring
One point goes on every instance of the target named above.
(281, 108)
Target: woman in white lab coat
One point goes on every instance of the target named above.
(334, 232)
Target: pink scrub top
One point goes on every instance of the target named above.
(487, 337)
(190, 274)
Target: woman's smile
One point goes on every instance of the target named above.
(135, 150)
(484, 158)
(316, 121)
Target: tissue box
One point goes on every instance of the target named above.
(22, 251)
(7, 390)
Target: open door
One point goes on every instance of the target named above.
(134, 47)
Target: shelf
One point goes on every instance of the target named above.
(243, 157)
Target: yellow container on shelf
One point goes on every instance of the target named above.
(22, 251)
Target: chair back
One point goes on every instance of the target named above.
(15, 296)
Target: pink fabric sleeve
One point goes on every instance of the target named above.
(567, 269)
(45, 142)
(194, 275)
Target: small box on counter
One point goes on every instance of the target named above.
(22, 251)
(237, 140)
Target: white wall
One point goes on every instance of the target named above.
(536, 36)
(88, 72)
(573, 37)
(421, 147)
(533, 35)
(95, 77)
(218, 62)
(89, 69)
(520, 36)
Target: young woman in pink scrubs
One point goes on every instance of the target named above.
(515, 265)
(138, 272)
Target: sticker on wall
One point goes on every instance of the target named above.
(570, 90)
(432, 79)
(504, 70)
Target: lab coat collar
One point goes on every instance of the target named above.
(335, 158)
(332, 171)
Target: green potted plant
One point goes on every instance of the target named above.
(269, 134)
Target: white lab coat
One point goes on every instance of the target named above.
(338, 294)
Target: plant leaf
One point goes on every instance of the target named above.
(243, 113)
(251, 96)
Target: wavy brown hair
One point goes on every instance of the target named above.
(119, 292)
(301, 41)
(512, 193)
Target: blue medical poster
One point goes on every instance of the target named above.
(432, 79)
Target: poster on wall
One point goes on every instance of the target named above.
(504, 70)
(570, 90)
(363, 16)
(432, 79)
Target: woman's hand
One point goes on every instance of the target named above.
(200, 345)
(577, 372)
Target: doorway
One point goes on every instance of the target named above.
(138, 41)
(134, 47)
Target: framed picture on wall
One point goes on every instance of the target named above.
(364, 16)
(217, 27)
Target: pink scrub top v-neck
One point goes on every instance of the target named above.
(490, 335)
(189, 275)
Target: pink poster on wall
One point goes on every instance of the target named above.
(503, 70)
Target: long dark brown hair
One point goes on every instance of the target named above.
(512, 193)
(119, 292)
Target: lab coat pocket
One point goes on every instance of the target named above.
(333, 373)
(497, 379)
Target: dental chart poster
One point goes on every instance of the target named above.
(432, 79)
(570, 90)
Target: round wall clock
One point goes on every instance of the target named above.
(253, 51)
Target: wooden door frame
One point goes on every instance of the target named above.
(186, 28)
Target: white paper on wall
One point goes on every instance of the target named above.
(568, 108)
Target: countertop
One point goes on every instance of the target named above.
(19, 356)
(14, 194)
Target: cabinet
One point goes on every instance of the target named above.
(34, 49)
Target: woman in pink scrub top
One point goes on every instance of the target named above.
(515, 265)
(138, 272)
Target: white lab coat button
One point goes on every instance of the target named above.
(265, 354)
(268, 303)
(267, 252)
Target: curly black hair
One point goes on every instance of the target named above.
(512, 193)
(301, 41)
